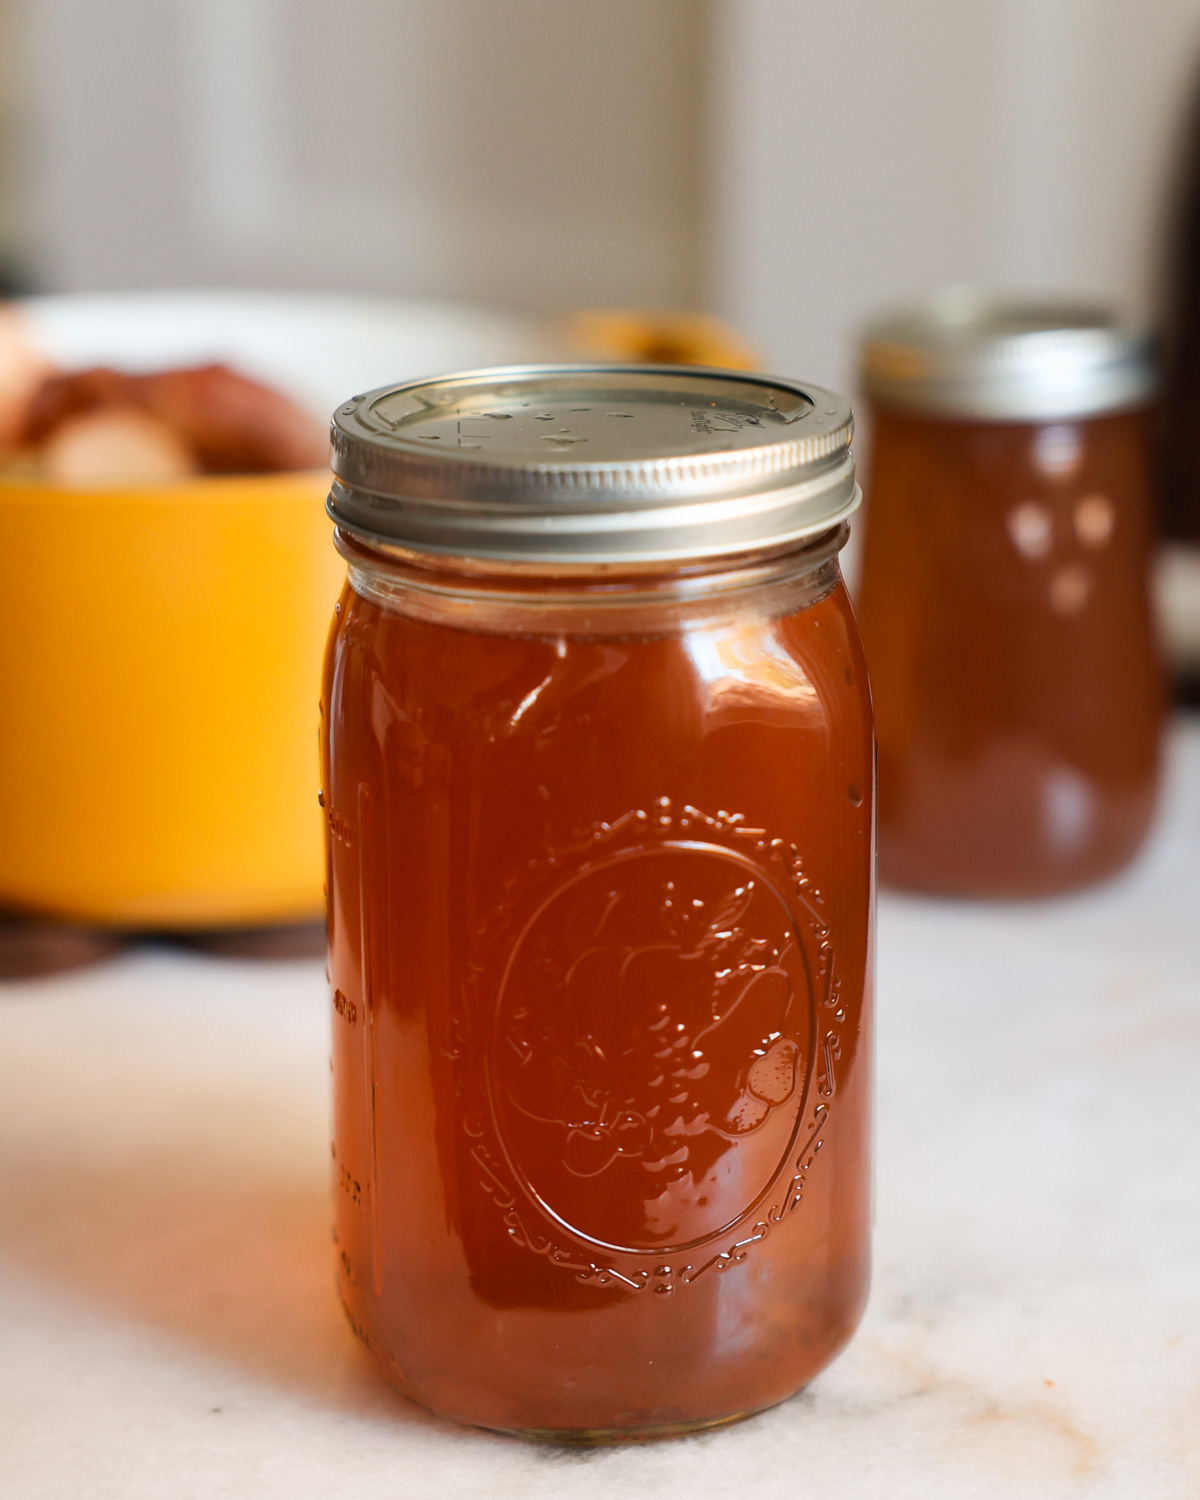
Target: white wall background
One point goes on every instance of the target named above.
(792, 165)
(533, 152)
(872, 150)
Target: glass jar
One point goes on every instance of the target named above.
(598, 788)
(1004, 598)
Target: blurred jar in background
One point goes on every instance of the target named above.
(1004, 598)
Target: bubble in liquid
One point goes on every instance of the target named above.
(855, 793)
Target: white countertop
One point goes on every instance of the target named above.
(168, 1325)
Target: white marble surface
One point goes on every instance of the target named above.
(167, 1319)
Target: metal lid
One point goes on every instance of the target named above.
(592, 464)
(962, 356)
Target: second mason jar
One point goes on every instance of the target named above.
(1004, 597)
(598, 790)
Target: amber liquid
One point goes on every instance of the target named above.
(600, 926)
(1018, 694)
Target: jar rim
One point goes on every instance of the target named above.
(609, 601)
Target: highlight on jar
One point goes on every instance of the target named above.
(1005, 595)
(597, 779)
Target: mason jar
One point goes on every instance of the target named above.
(598, 793)
(1004, 597)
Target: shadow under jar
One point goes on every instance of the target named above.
(598, 788)
(1004, 598)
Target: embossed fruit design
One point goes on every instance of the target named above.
(648, 1065)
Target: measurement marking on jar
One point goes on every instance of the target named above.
(370, 1044)
(338, 826)
(345, 1008)
(350, 1185)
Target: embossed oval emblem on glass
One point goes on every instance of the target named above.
(652, 1046)
(663, 1046)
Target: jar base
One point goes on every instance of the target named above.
(588, 1437)
(555, 1437)
(611, 1437)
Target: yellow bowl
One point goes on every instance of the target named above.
(159, 663)
(160, 648)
